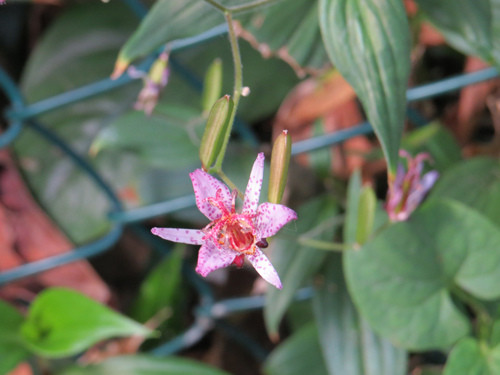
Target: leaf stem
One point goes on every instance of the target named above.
(250, 6)
(484, 320)
(322, 245)
(227, 181)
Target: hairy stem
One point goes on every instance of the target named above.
(251, 6)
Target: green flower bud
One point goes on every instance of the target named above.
(215, 131)
(212, 85)
(366, 214)
(280, 159)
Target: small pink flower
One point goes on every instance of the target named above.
(232, 236)
(409, 188)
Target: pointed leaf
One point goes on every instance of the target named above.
(401, 279)
(167, 21)
(349, 345)
(62, 322)
(369, 43)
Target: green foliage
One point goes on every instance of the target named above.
(363, 38)
(299, 354)
(349, 345)
(62, 322)
(472, 357)
(416, 264)
(144, 365)
(161, 289)
(12, 348)
(475, 183)
(296, 263)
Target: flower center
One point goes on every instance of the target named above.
(232, 230)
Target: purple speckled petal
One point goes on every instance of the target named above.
(206, 186)
(252, 193)
(271, 218)
(264, 267)
(190, 236)
(211, 258)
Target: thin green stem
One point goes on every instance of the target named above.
(228, 181)
(215, 4)
(250, 6)
(322, 245)
(238, 79)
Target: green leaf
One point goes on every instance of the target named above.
(470, 357)
(167, 21)
(349, 345)
(299, 354)
(77, 49)
(476, 183)
(62, 322)
(296, 263)
(289, 30)
(466, 24)
(438, 142)
(12, 348)
(352, 207)
(145, 365)
(369, 43)
(401, 280)
(161, 288)
(169, 138)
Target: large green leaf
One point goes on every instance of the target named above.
(79, 48)
(144, 365)
(296, 263)
(300, 354)
(349, 345)
(12, 348)
(476, 183)
(169, 138)
(469, 357)
(466, 24)
(369, 43)
(62, 322)
(401, 280)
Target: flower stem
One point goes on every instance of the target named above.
(228, 181)
(322, 245)
(215, 4)
(238, 79)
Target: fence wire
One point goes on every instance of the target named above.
(209, 313)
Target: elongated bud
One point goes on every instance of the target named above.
(215, 131)
(366, 214)
(157, 73)
(212, 86)
(280, 159)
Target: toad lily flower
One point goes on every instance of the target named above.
(409, 188)
(232, 236)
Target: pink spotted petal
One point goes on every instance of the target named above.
(190, 236)
(271, 218)
(206, 186)
(211, 258)
(264, 267)
(252, 193)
